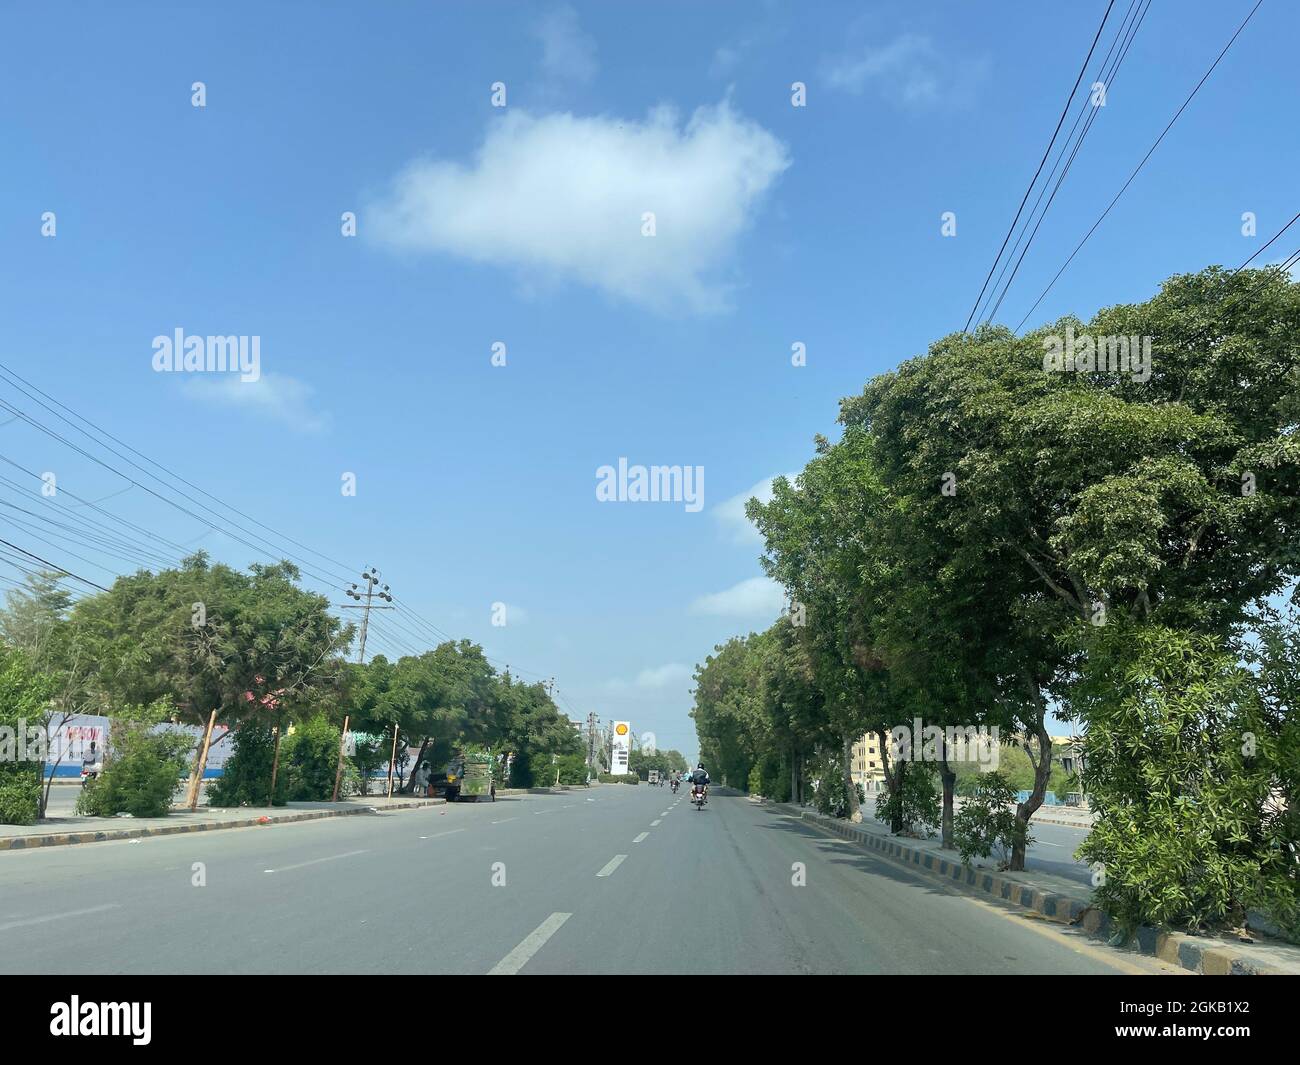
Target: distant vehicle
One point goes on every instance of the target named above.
(654, 777)
(467, 776)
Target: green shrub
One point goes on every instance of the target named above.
(140, 774)
(20, 793)
(246, 778)
(986, 823)
(573, 769)
(917, 805)
(1185, 762)
(831, 796)
(309, 758)
(23, 694)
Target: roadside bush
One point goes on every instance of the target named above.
(1191, 765)
(831, 796)
(621, 778)
(573, 769)
(770, 778)
(917, 805)
(309, 759)
(246, 779)
(23, 693)
(986, 822)
(372, 756)
(20, 793)
(140, 774)
(529, 772)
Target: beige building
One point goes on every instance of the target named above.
(868, 768)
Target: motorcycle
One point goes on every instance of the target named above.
(90, 772)
(674, 787)
(699, 795)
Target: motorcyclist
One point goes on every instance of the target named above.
(700, 779)
(90, 761)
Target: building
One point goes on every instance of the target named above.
(867, 766)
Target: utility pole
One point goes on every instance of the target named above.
(371, 577)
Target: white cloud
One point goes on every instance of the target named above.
(653, 679)
(730, 513)
(909, 70)
(562, 197)
(568, 54)
(755, 597)
(276, 396)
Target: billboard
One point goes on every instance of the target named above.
(620, 747)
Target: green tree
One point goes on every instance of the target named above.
(23, 697)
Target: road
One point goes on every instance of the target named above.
(616, 880)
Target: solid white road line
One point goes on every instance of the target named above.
(614, 863)
(57, 916)
(533, 942)
(641, 837)
(315, 861)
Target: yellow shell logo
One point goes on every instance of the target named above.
(621, 729)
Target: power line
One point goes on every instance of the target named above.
(1107, 78)
(51, 565)
(1046, 151)
(1136, 170)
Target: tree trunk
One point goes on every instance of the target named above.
(893, 781)
(1042, 771)
(949, 777)
(851, 788)
(406, 788)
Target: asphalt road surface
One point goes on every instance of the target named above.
(615, 880)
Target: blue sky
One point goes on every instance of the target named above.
(523, 224)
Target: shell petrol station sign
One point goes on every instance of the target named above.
(621, 748)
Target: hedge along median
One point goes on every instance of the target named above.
(1205, 955)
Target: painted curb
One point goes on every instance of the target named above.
(61, 839)
(1187, 952)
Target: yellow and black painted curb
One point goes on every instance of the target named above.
(1176, 948)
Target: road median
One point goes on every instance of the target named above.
(66, 831)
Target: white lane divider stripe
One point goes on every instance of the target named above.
(58, 916)
(449, 832)
(315, 861)
(641, 837)
(656, 822)
(533, 942)
(613, 864)
(504, 820)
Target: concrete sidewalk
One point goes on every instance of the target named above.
(61, 831)
(1058, 899)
